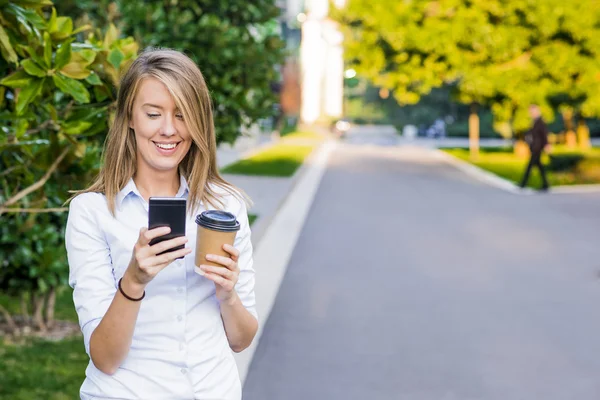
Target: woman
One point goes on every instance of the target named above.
(154, 328)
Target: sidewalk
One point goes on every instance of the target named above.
(244, 146)
(267, 193)
(281, 205)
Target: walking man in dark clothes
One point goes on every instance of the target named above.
(537, 138)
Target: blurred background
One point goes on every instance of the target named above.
(416, 81)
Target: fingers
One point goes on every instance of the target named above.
(147, 235)
(159, 262)
(223, 272)
(221, 276)
(235, 253)
(168, 258)
(167, 244)
(224, 261)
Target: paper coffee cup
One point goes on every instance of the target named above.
(215, 228)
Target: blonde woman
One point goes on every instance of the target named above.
(154, 328)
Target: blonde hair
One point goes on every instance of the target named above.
(185, 82)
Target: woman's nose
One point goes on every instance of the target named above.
(168, 128)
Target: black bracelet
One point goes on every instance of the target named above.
(127, 297)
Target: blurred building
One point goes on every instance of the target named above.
(322, 64)
(312, 78)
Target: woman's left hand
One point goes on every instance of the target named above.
(224, 277)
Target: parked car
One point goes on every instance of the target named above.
(340, 127)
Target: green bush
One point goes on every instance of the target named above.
(56, 96)
(564, 161)
(236, 44)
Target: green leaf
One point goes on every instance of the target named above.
(27, 16)
(52, 111)
(99, 127)
(112, 34)
(85, 56)
(115, 57)
(28, 94)
(81, 29)
(80, 149)
(32, 68)
(64, 28)
(63, 55)
(52, 27)
(93, 79)
(19, 79)
(72, 87)
(88, 113)
(33, 2)
(75, 71)
(34, 56)
(42, 285)
(47, 49)
(21, 127)
(129, 47)
(101, 93)
(5, 43)
(77, 127)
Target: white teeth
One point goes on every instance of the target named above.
(166, 146)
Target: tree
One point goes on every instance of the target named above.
(501, 53)
(234, 42)
(55, 101)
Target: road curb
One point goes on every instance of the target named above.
(263, 221)
(494, 180)
(478, 173)
(275, 248)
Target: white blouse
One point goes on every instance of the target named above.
(179, 348)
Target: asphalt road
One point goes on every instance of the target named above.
(412, 281)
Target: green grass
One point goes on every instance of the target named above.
(42, 370)
(281, 160)
(252, 218)
(503, 162)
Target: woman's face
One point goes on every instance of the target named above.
(161, 135)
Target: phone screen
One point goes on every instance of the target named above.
(167, 211)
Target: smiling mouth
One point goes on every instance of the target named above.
(166, 146)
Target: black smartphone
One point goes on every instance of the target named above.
(167, 211)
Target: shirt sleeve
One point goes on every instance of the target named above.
(90, 265)
(243, 243)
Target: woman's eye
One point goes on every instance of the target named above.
(153, 115)
(179, 116)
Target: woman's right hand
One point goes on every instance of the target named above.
(145, 264)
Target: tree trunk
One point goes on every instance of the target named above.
(9, 320)
(570, 136)
(50, 303)
(474, 132)
(583, 134)
(25, 297)
(38, 319)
